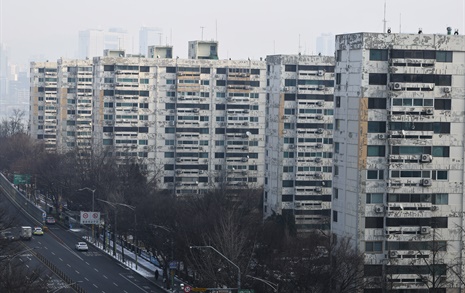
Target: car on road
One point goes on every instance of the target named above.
(38, 231)
(7, 235)
(50, 220)
(82, 246)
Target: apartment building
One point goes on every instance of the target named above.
(399, 157)
(299, 122)
(74, 105)
(195, 124)
(43, 103)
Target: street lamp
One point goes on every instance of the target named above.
(93, 205)
(238, 269)
(272, 285)
(133, 208)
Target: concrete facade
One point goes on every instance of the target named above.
(43, 103)
(195, 124)
(299, 139)
(399, 157)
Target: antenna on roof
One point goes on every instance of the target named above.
(384, 19)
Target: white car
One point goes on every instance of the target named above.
(82, 246)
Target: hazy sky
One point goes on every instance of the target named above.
(244, 28)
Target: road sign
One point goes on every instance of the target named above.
(187, 288)
(21, 179)
(90, 218)
(173, 265)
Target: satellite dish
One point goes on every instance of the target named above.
(248, 133)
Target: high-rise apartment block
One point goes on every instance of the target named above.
(43, 103)
(149, 36)
(93, 42)
(299, 124)
(398, 181)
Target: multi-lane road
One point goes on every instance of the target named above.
(93, 270)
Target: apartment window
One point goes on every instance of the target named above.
(374, 197)
(376, 151)
(288, 169)
(219, 155)
(440, 151)
(335, 193)
(288, 183)
(378, 55)
(377, 79)
(290, 82)
(169, 141)
(374, 222)
(376, 103)
(442, 104)
(374, 246)
(219, 142)
(336, 170)
(220, 107)
(336, 148)
(221, 70)
(375, 174)
(221, 95)
(439, 175)
(337, 123)
(376, 126)
(220, 82)
(288, 111)
(290, 68)
(169, 154)
(289, 125)
(338, 55)
(443, 56)
(334, 216)
(288, 155)
(440, 198)
(338, 102)
(170, 130)
(338, 78)
(171, 81)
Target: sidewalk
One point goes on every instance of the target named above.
(144, 267)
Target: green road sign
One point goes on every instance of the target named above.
(22, 179)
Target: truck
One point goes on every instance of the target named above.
(26, 233)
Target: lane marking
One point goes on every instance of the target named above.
(133, 283)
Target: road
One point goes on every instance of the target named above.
(93, 270)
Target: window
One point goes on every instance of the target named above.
(338, 102)
(440, 198)
(376, 126)
(334, 216)
(440, 151)
(338, 78)
(376, 103)
(375, 197)
(290, 68)
(377, 79)
(376, 150)
(335, 193)
(169, 154)
(289, 155)
(374, 222)
(442, 104)
(290, 82)
(220, 82)
(443, 56)
(373, 246)
(288, 183)
(375, 174)
(288, 169)
(336, 148)
(378, 55)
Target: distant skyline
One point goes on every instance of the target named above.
(244, 29)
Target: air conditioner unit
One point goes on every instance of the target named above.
(447, 90)
(201, 171)
(171, 123)
(426, 158)
(426, 182)
(297, 204)
(182, 98)
(317, 160)
(178, 135)
(171, 146)
(319, 145)
(196, 110)
(429, 111)
(393, 254)
(397, 86)
(381, 136)
(286, 89)
(321, 72)
(178, 159)
(244, 173)
(379, 209)
(320, 130)
(245, 148)
(245, 111)
(244, 159)
(291, 146)
(320, 103)
(434, 208)
(178, 171)
(320, 117)
(425, 230)
(318, 189)
(321, 87)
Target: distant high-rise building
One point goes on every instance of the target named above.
(325, 44)
(149, 36)
(93, 42)
(299, 130)
(4, 71)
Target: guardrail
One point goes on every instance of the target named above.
(21, 201)
(69, 282)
